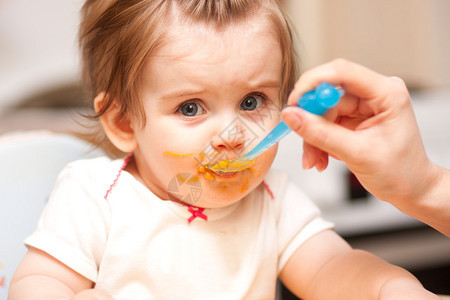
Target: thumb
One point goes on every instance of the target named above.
(318, 132)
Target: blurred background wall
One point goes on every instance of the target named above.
(409, 39)
(38, 49)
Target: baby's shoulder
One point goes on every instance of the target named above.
(83, 183)
(99, 170)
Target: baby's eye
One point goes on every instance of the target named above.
(251, 102)
(190, 109)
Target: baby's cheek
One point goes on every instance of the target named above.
(266, 159)
(246, 183)
(170, 168)
(176, 166)
(263, 164)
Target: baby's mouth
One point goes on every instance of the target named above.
(212, 175)
(225, 168)
(231, 165)
(225, 175)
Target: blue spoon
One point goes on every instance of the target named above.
(317, 101)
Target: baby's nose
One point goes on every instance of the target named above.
(232, 137)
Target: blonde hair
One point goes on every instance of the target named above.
(117, 36)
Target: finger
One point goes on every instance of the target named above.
(320, 133)
(348, 106)
(322, 164)
(353, 78)
(310, 156)
(314, 157)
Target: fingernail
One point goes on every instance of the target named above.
(306, 162)
(293, 121)
(307, 165)
(320, 168)
(321, 165)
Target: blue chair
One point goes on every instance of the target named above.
(30, 162)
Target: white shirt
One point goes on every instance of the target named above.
(137, 246)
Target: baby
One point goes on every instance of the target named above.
(180, 85)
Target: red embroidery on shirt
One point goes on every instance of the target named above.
(125, 162)
(268, 189)
(196, 212)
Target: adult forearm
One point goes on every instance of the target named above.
(432, 206)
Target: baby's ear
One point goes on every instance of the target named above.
(118, 130)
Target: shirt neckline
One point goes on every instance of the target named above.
(179, 209)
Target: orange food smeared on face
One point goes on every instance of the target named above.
(178, 154)
(246, 184)
(208, 174)
(187, 178)
(232, 165)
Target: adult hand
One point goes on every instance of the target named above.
(372, 129)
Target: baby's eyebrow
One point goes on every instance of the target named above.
(182, 93)
(266, 84)
(193, 92)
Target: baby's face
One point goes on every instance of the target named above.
(208, 96)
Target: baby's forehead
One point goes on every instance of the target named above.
(182, 37)
(204, 56)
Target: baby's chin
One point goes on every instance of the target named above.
(217, 189)
(217, 195)
(214, 201)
